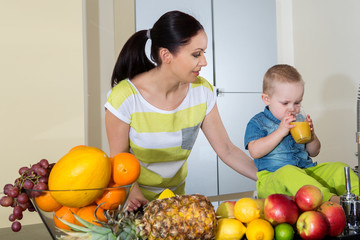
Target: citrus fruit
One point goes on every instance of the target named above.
(259, 229)
(284, 231)
(47, 203)
(66, 214)
(247, 209)
(229, 229)
(81, 168)
(88, 214)
(167, 193)
(125, 168)
(76, 147)
(112, 197)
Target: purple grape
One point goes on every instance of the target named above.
(23, 170)
(28, 184)
(17, 211)
(22, 198)
(16, 226)
(43, 179)
(41, 171)
(6, 201)
(12, 217)
(24, 206)
(44, 163)
(40, 186)
(13, 192)
(7, 187)
(31, 207)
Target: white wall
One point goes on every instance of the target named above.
(42, 86)
(326, 52)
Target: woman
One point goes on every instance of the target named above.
(155, 110)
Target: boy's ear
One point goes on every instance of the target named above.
(265, 98)
(165, 55)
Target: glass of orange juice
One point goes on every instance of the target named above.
(301, 132)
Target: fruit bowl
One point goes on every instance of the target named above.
(62, 217)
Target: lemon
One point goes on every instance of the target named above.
(229, 229)
(167, 193)
(247, 210)
(284, 231)
(259, 229)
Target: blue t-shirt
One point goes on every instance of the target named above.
(288, 152)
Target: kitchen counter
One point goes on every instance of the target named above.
(28, 232)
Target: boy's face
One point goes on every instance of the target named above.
(285, 99)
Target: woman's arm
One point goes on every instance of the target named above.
(233, 156)
(118, 136)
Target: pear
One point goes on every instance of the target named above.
(226, 209)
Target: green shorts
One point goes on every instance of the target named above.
(329, 177)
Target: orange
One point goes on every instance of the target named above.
(64, 213)
(125, 168)
(82, 168)
(259, 229)
(47, 203)
(112, 197)
(87, 214)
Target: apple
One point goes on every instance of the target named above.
(336, 217)
(280, 208)
(312, 225)
(226, 209)
(308, 197)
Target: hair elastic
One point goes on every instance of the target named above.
(148, 33)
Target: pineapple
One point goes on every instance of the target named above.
(177, 217)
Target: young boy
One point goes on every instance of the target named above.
(283, 165)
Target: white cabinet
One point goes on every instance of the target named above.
(242, 46)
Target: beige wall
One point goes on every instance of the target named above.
(326, 52)
(42, 85)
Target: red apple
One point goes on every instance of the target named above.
(336, 217)
(312, 225)
(308, 197)
(280, 208)
(226, 209)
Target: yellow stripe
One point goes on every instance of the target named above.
(172, 122)
(159, 155)
(118, 95)
(202, 82)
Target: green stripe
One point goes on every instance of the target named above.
(172, 122)
(118, 95)
(159, 155)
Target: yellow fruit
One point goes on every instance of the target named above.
(247, 209)
(259, 229)
(81, 168)
(167, 193)
(229, 229)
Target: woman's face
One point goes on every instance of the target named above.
(189, 59)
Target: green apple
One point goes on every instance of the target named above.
(226, 209)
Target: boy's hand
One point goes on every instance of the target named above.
(309, 120)
(285, 126)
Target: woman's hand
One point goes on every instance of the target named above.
(136, 199)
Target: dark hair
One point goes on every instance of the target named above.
(172, 30)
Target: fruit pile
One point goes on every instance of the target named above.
(280, 216)
(83, 167)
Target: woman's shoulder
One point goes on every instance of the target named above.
(123, 90)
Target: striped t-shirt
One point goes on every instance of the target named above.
(162, 140)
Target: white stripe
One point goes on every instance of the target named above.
(164, 169)
(156, 140)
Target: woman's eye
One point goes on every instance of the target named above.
(197, 55)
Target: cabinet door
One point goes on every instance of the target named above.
(202, 162)
(236, 109)
(245, 43)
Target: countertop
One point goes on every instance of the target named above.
(28, 232)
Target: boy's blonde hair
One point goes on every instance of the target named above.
(280, 73)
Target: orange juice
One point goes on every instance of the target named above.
(301, 132)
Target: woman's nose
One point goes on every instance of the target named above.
(203, 61)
